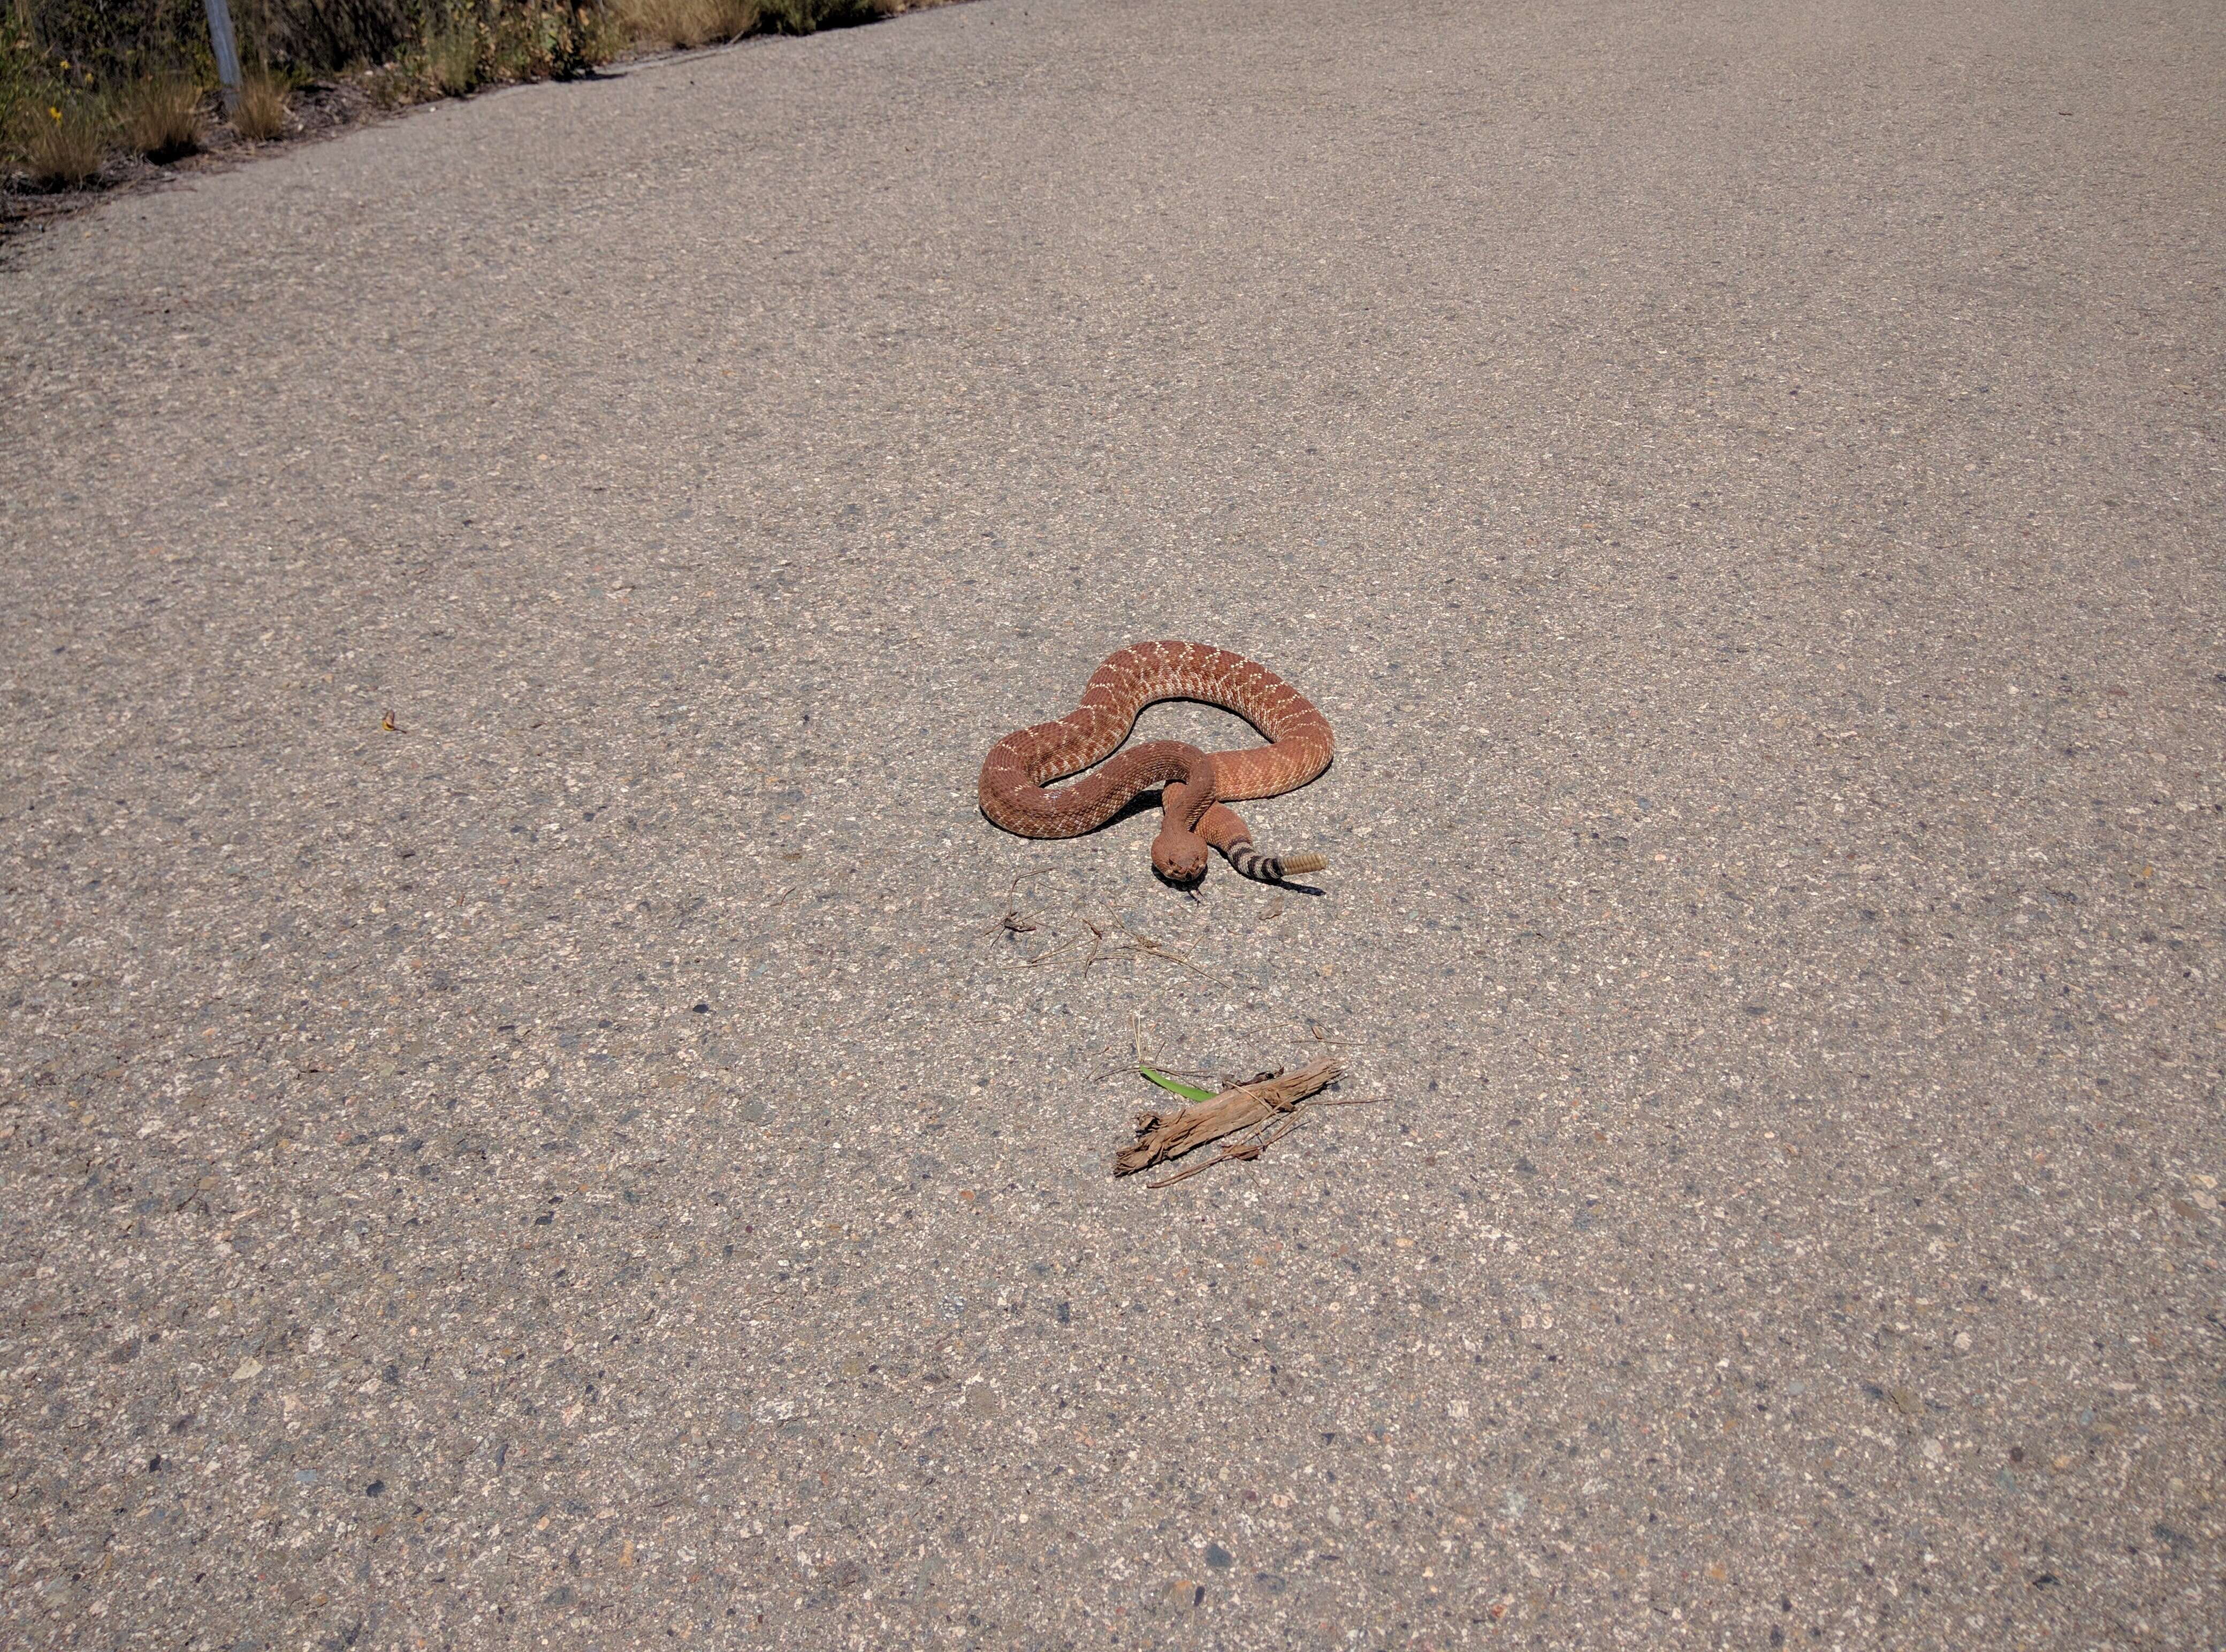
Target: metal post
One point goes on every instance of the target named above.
(227, 51)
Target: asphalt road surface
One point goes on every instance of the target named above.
(590, 1166)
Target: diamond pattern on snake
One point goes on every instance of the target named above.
(1197, 786)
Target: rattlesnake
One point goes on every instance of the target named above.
(1198, 785)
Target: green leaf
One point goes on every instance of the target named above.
(1188, 1092)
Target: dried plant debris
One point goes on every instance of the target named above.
(1012, 921)
(1108, 938)
(1273, 1100)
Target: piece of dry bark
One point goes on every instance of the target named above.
(1169, 1135)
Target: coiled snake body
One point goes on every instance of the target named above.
(1199, 786)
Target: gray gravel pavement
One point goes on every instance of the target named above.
(587, 1167)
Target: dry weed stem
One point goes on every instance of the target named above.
(260, 114)
(1169, 1135)
(687, 23)
(160, 117)
(66, 148)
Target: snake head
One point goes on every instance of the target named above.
(1178, 850)
(1178, 855)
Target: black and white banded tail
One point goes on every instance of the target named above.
(1272, 868)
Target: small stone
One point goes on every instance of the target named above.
(1906, 1401)
(248, 1371)
(1218, 1558)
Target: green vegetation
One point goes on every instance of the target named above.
(85, 82)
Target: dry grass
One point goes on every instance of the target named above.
(805, 16)
(393, 86)
(160, 117)
(470, 48)
(65, 147)
(261, 112)
(452, 60)
(74, 91)
(687, 24)
(550, 42)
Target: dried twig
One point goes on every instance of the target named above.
(1097, 941)
(1230, 1081)
(1106, 934)
(1251, 1149)
(1014, 923)
(1169, 1135)
(1145, 946)
(1011, 922)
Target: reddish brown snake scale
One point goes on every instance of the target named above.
(1199, 786)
